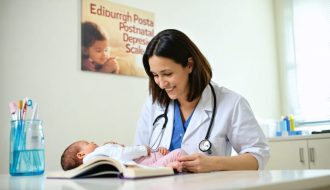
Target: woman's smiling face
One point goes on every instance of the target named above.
(171, 76)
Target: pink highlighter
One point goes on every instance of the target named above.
(13, 109)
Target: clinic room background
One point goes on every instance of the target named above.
(41, 54)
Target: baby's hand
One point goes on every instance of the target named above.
(163, 150)
(110, 66)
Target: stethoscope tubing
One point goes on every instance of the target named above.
(161, 134)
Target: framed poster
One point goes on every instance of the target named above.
(114, 37)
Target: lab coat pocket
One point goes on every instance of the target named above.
(220, 146)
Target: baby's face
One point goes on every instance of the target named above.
(99, 51)
(87, 147)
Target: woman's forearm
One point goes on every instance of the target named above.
(198, 163)
(240, 162)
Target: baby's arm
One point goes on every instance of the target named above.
(122, 153)
(113, 142)
(134, 152)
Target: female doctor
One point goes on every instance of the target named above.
(188, 111)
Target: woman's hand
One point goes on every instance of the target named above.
(201, 163)
(175, 165)
(163, 150)
(198, 163)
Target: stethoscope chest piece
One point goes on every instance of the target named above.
(205, 145)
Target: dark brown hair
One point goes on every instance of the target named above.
(91, 32)
(175, 45)
(69, 159)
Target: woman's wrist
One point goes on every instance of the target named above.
(219, 163)
(240, 162)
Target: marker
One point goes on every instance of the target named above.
(20, 105)
(28, 102)
(13, 109)
(35, 111)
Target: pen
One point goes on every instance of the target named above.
(24, 107)
(13, 109)
(20, 105)
(35, 112)
(28, 102)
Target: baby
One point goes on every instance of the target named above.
(95, 50)
(82, 151)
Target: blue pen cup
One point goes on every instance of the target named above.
(27, 148)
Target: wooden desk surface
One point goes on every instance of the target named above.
(276, 179)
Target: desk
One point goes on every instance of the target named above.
(267, 179)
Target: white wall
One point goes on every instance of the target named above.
(40, 58)
(237, 37)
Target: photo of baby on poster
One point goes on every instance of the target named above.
(114, 37)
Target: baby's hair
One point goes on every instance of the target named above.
(91, 32)
(69, 159)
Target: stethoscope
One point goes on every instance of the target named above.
(205, 145)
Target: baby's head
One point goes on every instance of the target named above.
(95, 42)
(73, 155)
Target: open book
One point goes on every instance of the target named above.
(109, 167)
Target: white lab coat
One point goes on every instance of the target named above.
(234, 126)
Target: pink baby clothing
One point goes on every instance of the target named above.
(157, 159)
